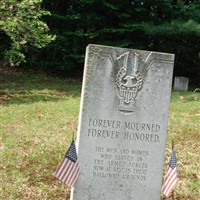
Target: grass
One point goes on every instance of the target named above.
(39, 114)
(38, 117)
(184, 129)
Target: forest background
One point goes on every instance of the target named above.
(52, 35)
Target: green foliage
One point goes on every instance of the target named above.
(168, 26)
(171, 26)
(21, 22)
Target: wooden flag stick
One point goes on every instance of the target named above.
(67, 191)
(172, 144)
(73, 135)
(65, 188)
(173, 195)
(72, 127)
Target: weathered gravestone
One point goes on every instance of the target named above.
(123, 124)
(181, 83)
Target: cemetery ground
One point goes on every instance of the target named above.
(39, 114)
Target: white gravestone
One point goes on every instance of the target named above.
(181, 83)
(123, 124)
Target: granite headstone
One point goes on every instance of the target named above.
(181, 83)
(123, 124)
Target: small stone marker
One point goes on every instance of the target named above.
(181, 83)
(123, 124)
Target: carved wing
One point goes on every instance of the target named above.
(144, 65)
(122, 64)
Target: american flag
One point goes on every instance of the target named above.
(69, 170)
(171, 176)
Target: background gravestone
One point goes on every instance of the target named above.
(181, 83)
(123, 124)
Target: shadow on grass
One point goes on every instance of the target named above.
(19, 87)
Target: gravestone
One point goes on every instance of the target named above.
(123, 124)
(181, 83)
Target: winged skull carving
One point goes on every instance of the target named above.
(129, 83)
(130, 76)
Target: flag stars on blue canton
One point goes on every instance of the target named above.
(171, 176)
(172, 162)
(71, 153)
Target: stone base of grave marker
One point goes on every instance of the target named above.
(123, 124)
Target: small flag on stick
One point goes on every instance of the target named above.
(69, 170)
(171, 176)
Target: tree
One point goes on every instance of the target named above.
(21, 22)
(164, 25)
(171, 26)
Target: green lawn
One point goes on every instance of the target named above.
(39, 114)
